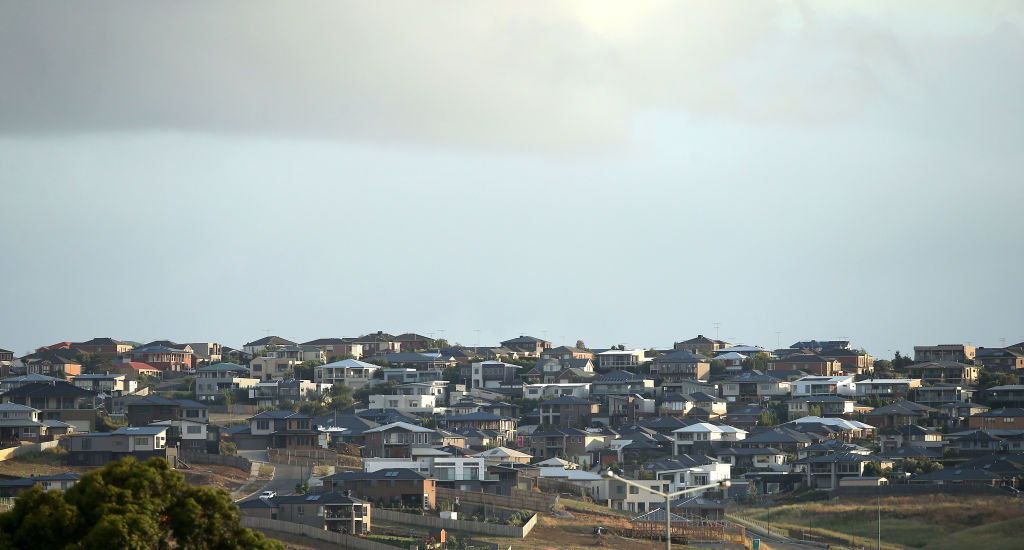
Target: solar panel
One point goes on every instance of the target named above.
(313, 497)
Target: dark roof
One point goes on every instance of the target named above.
(324, 342)
(271, 341)
(821, 399)
(958, 474)
(277, 415)
(841, 457)
(778, 435)
(909, 451)
(619, 375)
(43, 388)
(908, 408)
(156, 349)
(387, 473)
(353, 425)
(908, 430)
(567, 400)
(161, 400)
(478, 416)
(99, 342)
(681, 356)
(523, 340)
(754, 376)
(1009, 412)
(804, 358)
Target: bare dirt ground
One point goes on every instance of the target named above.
(298, 542)
(216, 476)
(15, 467)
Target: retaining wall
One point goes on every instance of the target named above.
(518, 500)
(26, 449)
(457, 524)
(239, 462)
(343, 541)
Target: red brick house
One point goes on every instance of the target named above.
(998, 419)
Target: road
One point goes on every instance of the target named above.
(286, 477)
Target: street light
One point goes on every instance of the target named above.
(668, 498)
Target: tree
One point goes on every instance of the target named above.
(305, 371)
(900, 361)
(92, 363)
(768, 418)
(872, 469)
(757, 362)
(129, 504)
(815, 411)
(581, 345)
(452, 374)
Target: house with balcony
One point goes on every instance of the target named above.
(998, 419)
(415, 360)
(213, 380)
(824, 472)
(350, 372)
(1011, 395)
(273, 393)
(408, 375)
(191, 435)
(953, 416)
(170, 361)
(753, 459)
(527, 346)
(21, 423)
(910, 435)
(504, 426)
(703, 436)
(285, 430)
(493, 374)
(824, 385)
(58, 363)
(945, 352)
(387, 487)
(701, 344)
(579, 390)
(621, 382)
(332, 511)
(852, 362)
(940, 394)
(60, 401)
(900, 413)
(753, 385)
(680, 365)
(334, 348)
(1000, 359)
(886, 388)
(621, 359)
(573, 443)
(396, 440)
(823, 405)
(145, 410)
(566, 352)
(113, 385)
(809, 362)
(97, 449)
(944, 372)
(568, 411)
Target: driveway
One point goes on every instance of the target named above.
(255, 456)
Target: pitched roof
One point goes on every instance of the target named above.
(350, 363)
(270, 341)
(387, 473)
(401, 425)
(44, 388)
(223, 367)
(908, 408)
(475, 416)
(567, 400)
(681, 356)
(503, 452)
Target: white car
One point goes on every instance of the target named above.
(267, 494)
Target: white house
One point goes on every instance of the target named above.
(824, 385)
(704, 434)
(537, 391)
(621, 359)
(354, 374)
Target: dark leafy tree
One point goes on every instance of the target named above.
(132, 505)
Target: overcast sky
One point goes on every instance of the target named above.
(619, 172)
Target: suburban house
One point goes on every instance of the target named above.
(851, 361)
(206, 353)
(274, 392)
(527, 346)
(143, 411)
(10, 488)
(567, 411)
(703, 436)
(377, 343)
(191, 435)
(350, 372)
(998, 419)
(572, 443)
(944, 372)
(20, 423)
(386, 487)
(681, 365)
(415, 360)
(566, 352)
(1000, 360)
(620, 359)
(886, 388)
(58, 363)
(812, 363)
(285, 430)
(910, 435)
(824, 385)
(505, 427)
(753, 458)
(900, 413)
(493, 374)
(824, 472)
(1011, 395)
(134, 370)
(954, 415)
(701, 344)
(104, 347)
(331, 511)
(213, 380)
(753, 385)
(97, 449)
(396, 440)
(57, 401)
(336, 348)
(417, 397)
(559, 389)
(826, 405)
(621, 382)
(168, 360)
(940, 394)
(113, 385)
(945, 352)
(256, 346)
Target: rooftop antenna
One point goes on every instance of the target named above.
(1002, 342)
(717, 324)
(778, 339)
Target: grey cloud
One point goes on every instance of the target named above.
(549, 75)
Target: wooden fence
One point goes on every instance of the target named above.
(343, 541)
(310, 457)
(518, 500)
(457, 524)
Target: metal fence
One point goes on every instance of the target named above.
(457, 524)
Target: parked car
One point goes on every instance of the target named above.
(268, 494)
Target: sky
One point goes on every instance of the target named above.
(619, 173)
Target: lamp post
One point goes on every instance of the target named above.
(668, 498)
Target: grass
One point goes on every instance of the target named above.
(907, 522)
(593, 508)
(1001, 535)
(266, 471)
(392, 540)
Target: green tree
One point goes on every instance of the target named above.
(128, 504)
(92, 363)
(815, 411)
(757, 362)
(340, 396)
(900, 361)
(768, 418)
(305, 371)
(872, 469)
(452, 374)
(581, 345)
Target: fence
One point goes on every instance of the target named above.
(26, 449)
(457, 524)
(916, 489)
(310, 457)
(239, 462)
(555, 486)
(519, 499)
(343, 541)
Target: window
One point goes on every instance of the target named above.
(300, 510)
(86, 444)
(142, 441)
(194, 429)
(262, 424)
